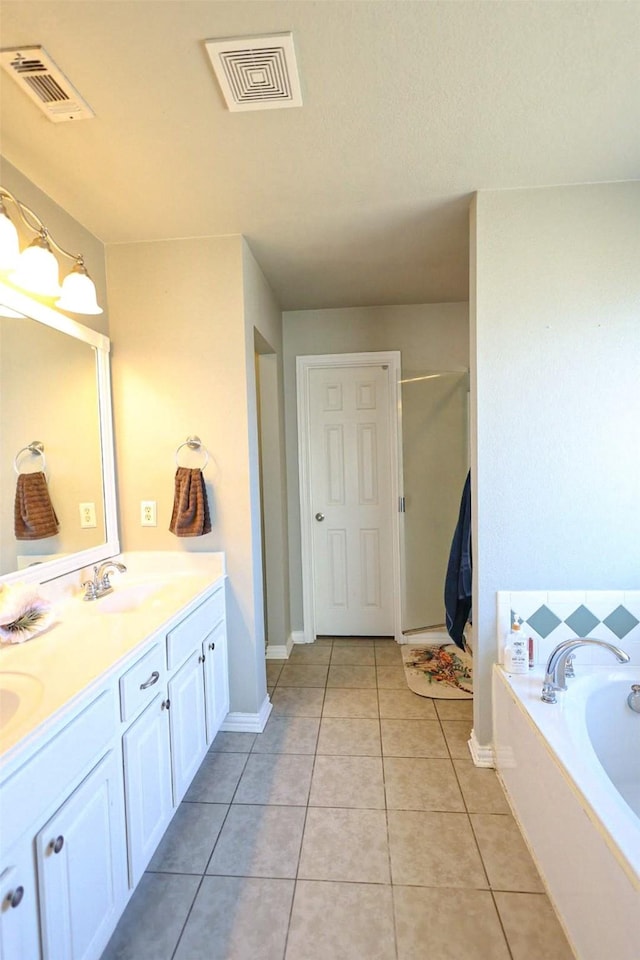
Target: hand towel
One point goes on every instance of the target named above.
(190, 517)
(34, 515)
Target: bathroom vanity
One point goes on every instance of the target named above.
(106, 719)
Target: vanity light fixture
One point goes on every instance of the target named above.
(36, 269)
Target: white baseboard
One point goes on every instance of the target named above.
(280, 651)
(299, 636)
(248, 722)
(481, 754)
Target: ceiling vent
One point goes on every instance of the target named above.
(35, 72)
(257, 73)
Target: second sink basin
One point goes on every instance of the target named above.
(20, 693)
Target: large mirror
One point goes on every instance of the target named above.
(55, 413)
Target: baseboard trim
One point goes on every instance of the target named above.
(481, 754)
(237, 722)
(299, 636)
(280, 651)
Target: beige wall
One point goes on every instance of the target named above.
(556, 355)
(429, 337)
(182, 320)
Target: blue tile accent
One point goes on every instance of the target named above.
(582, 621)
(621, 622)
(544, 621)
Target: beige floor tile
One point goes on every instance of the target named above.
(352, 738)
(417, 784)
(217, 778)
(360, 642)
(405, 705)
(274, 778)
(189, 839)
(457, 733)
(388, 653)
(455, 710)
(348, 845)
(274, 668)
(236, 918)
(350, 703)
(229, 741)
(297, 701)
(352, 656)
(341, 921)
(481, 788)
(434, 850)
(347, 782)
(391, 678)
(311, 653)
(343, 675)
(288, 735)
(303, 675)
(504, 853)
(259, 841)
(413, 738)
(532, 927)
(424, 934)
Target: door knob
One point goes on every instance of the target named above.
(319, 517)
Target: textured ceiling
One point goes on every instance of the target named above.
(359, 197)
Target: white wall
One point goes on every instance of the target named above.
(555, 311)
(183, 364)
(429, 337)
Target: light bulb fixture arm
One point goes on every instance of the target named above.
(33, 222)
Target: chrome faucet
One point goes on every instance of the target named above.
(93, 589)
(556, 671)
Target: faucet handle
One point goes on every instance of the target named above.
(569, 672)
(89, 590)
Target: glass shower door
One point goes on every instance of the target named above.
(435, 450)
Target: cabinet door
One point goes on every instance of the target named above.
(19, 936)
(82, 867)
(187, 724)
(147, 784)
(216, 679)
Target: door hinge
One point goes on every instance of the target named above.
(401, 505)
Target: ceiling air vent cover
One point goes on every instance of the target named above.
(35, 72)
(256, 73)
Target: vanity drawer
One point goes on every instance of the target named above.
(189, 634)
(54, 768)
(139, 685)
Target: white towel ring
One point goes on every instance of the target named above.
(36, 448)
(194, 443)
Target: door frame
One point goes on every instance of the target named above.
(304, 366)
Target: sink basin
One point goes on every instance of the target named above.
(124, 599)
(20, 693)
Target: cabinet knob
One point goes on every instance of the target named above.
(212, 646)
(166, 704)
(201, 659)
(14, 897)
(57, 844)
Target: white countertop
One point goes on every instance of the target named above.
(87, 642)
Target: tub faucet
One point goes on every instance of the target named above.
(93, 589)
(554, 678)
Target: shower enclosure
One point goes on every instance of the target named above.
(435, 456)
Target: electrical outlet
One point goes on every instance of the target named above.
(87, 514)
(148, 516)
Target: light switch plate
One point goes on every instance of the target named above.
(148, 513)
(87, 514)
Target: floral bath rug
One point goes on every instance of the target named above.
(443, 671)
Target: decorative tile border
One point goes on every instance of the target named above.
(551, 616)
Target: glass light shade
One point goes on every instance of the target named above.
(79, 293)
(37, 270)
(9, 245)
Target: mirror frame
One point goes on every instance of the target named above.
(41, 313)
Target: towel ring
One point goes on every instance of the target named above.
(194, 443)
(36, 448)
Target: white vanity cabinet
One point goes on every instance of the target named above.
(19, 904)
(84, 806)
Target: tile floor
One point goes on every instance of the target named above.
(354, 828)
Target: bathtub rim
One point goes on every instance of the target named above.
(561, 727)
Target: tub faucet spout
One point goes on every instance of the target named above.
(554, 678)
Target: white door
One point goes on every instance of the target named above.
(216, 679)
(352, 502)
(19, 938)
(187, 724)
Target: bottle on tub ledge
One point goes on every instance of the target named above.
(516, 650)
